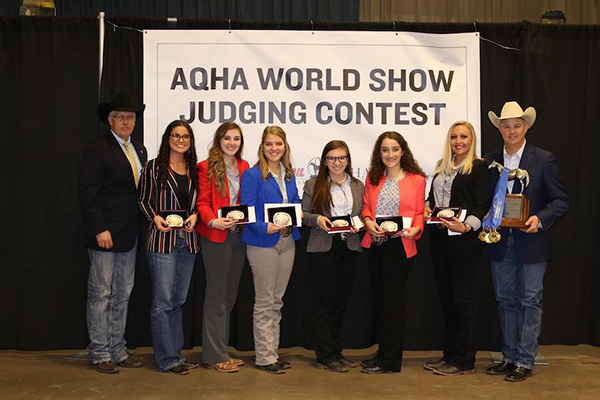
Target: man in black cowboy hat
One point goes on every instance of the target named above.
(108, 197)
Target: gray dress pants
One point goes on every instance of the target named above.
(223, 264)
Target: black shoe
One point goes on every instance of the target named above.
(334, 366)
(376, 369)
(347, 363)
(130, 363)
(430, 366)
(452, 370)
(191, 364)
(284, 364)
(106, 367)
(179, 369)
(501, 369)
(274, 368)
(517, 374)
(368, 363)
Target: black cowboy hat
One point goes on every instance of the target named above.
(122, 102)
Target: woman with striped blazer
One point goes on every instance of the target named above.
(169, 186)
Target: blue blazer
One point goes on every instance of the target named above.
(254, 191)
(549, 201)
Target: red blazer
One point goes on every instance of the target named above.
(412, 202)
(210, 201)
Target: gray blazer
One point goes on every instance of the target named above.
(319, 240)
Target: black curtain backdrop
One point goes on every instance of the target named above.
(49, 77)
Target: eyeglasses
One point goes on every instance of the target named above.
(122, 117)
(177, 136)
(333, 159)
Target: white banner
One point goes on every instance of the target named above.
(318, 86)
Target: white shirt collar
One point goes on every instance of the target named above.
(281, 175)
(119, 139)
(519, 152)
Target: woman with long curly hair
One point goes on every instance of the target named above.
(223, 251)
(461, 179)
(395, 187)
(168, 186)
(270, 248)
(334, 192)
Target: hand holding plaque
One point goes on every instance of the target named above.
(507, 210)
(283, 215)
(174, 218)
(516, 208)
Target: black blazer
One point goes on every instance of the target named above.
(107, 194)
(470, 192)
(549, 201)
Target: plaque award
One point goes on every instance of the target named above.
(516, 208)
(516, 211)
(283, 215)
(340, 224)
(507, 210)
(174, 218)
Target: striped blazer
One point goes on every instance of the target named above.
(153, 201)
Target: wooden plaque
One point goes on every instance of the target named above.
(516, 211)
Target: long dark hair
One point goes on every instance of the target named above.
(162, 161)
(216, 165)
(321, 201)
(407, 162)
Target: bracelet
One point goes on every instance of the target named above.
(210, 223)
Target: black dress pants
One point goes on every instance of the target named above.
(333, 275)
(455, 260)
(389, 269)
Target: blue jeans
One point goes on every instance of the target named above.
(518, 288)
(170, 274)
(110, 282)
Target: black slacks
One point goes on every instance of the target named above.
(333, 275)
(455, 260)
(389, 269)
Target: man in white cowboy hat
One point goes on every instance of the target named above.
(108, 197)
(519, 260)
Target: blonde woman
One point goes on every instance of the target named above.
(460, 180)
(270, 248)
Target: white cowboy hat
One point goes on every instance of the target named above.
(512, 109)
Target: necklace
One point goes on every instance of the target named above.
(339, 183)
(399, 176)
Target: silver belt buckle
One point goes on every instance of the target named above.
(377, 240)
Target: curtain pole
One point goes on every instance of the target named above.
(100, 50)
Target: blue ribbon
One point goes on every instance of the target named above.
(493, 218)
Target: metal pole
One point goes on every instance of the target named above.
(100, 50)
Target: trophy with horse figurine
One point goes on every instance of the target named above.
(508, 210)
